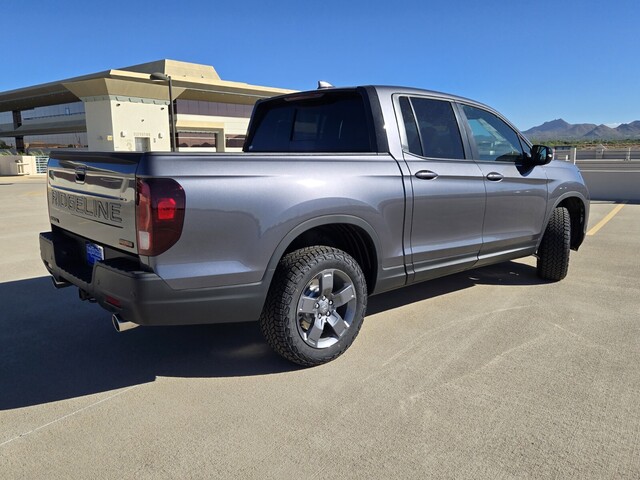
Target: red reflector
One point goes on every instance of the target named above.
(166, 209)
(113, 301)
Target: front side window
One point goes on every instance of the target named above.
(432, 128)
(525, 146)
(495, 140)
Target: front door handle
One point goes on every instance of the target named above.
(426, 175)
(495, 177)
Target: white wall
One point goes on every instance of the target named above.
(113, 123)
(17, 165)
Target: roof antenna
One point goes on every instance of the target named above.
(322, 84)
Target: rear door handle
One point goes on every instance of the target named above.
(426, 175)
(495, 176)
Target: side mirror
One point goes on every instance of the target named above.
(541, 154)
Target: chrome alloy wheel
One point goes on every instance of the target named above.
(326, 308)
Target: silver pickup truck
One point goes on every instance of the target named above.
(340, 193)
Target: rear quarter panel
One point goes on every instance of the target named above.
(239, 208)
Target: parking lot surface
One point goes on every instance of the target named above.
(492, 373)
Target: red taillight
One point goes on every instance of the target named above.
(160, 214)
(167, 209)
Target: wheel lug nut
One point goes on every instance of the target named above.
(330, 302)
(317, 305)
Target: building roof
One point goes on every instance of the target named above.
(190, 81)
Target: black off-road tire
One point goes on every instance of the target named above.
(288, 320)
(553, 254)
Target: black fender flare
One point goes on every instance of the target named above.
(318, 222)
(572, 194)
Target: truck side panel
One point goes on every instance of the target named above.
(239, 208)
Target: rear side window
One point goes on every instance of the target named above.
(323, 122)
(410, 127)
(437, 128)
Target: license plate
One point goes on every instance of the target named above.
(95, 253)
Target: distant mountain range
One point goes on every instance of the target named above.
(561, 130)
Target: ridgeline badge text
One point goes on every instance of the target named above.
(87, 207)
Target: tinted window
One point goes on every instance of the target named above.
(196, 139)
(438, 128)
(410, 127)
(273, 132)
(202, 107)
(494, 139)
(326, 122)
(51, 111)
(525, 146)
(234, 141)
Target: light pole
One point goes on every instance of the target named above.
(172, 114)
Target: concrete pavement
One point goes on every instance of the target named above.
(487, 374)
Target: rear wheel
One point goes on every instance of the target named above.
(553, 254)
(315, 306)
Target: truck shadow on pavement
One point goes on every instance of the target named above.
(54, 347)
(507, 274)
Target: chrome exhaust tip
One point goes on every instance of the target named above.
(121, 325)
(59, 283)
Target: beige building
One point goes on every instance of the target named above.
(127, 110)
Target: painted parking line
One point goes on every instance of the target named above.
(606, 219)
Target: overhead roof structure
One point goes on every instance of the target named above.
(190, 81)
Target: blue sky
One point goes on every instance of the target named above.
(533, 61)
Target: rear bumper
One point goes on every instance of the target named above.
(144, 298)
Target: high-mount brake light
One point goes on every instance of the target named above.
(294, 97)
(160, 204)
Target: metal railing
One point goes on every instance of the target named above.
(572, 154)
(41, 164)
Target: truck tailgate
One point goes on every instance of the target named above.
(93, 195)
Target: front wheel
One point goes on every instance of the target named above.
(553, 254)
(315, 306)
